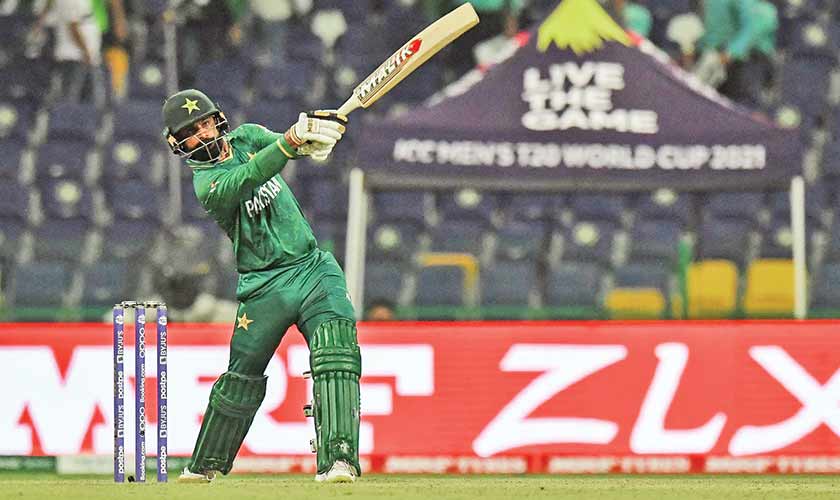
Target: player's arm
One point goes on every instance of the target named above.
(309, 136)
(259, 135)
(262, 136)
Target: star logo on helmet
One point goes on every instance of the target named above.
(190, 105)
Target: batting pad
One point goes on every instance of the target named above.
(336, 367)
(234, 401)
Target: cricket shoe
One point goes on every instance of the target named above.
(340, 472)
(193, 477)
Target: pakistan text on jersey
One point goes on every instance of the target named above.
(263, 198)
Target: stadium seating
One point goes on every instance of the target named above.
(384, 280)
(17, 119)
(507, 288)
(200, 238)
(401, 205)
(74, 189)
(532, 206)
(520, 240)
(812, 39)
(635, 303)
(599, 207)
(306, 170)
(355, 49)
(815, 199)
(467, 204)
(573, 290)
(741, 206)
(331, 236)
(67, 199)
(307, 48)
(68, 240)
(643, 275)
(135, 200)
(10, 162)
(147, 80)
(712, 287)
(832, 251)
(825, 292)
(14, 201)
(665, 204)
(655, 240)
(769, 288)
(274, 114)
(831, 156)
(642, 290)
(11, 234)
(440, 292)
(395, 241)
(62, 159)
(222, 79)
(226, 279)
(354, 12)
(589, 241)
(136, 158)
(327, 199)
(73, 121)
(23, 78)
(105, 284)
(725, 239)
(38, 289)
(459, 235)
(805, 83)
(129, 239)
(131, 119)
(191, 209)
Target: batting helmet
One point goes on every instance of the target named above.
(181, 113)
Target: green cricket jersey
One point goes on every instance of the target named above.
(252, 203)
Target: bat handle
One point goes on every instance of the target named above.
(349, 105)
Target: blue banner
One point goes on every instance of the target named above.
(620, 116)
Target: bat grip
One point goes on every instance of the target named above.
(349, 105)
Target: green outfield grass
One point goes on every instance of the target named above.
(290, 487)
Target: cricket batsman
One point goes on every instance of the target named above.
(284, 279)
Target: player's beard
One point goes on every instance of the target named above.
(209, 152)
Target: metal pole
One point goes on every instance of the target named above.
(354, 261)
(170, 19)
(797, 225)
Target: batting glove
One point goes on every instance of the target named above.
(316, 133)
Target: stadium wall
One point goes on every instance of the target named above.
(482, 397)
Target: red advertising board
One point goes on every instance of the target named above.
(751, 396)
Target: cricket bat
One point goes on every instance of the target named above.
(411, 56)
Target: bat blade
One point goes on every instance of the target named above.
(411, 56)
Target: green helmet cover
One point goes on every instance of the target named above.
(185, 108)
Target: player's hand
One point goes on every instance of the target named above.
(321, 127)
(318, 133)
